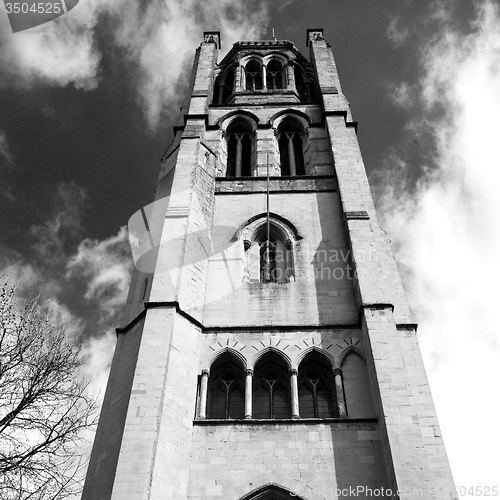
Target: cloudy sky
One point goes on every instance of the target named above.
(87, 105)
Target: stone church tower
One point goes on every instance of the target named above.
(267, 349)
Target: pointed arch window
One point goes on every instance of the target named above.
(311, 87)
(316, 388)
(301, 84)
(290, 142)
(271, 388)
(240, 149)
(224, 86)
(269, 259)
(226, 390)
(227, 86)
(273, 492)
(274, 75)
(253, 75)
(358, 394)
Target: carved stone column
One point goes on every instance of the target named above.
(339, 389)
(295, 393)
(290, 70)
(291, 155)
(289, 270)
(203, 394)
(248, 393)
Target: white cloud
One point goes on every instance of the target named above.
(448, 234)
(160, 38)
(50, 237)
(157, 37)
(56, 53)
(402, 95)
(396, 34)
(4, 148)
(6, 162)
(101, 268)
(98, 353)
(106, 266)
(21, 274)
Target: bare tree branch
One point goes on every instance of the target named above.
(44, 404)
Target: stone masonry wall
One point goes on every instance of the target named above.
(313, 461)
(413, 449)
(322, 292)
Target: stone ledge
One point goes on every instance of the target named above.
(232, 328)
(294, 421)
(252, 185)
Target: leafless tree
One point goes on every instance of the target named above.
(44, 403)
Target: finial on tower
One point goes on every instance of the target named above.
(212, 37)
(314, 34)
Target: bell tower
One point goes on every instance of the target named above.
(267, 349)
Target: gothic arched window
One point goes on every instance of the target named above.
(301, 84)
(271, 388)
(239, 138)
(227, 86)
(269, 249)
(226, 389)
(311, 87)
(358, 394)
(290, 135)
(270, 259)
(274, 75)
(316, 388)
(224, 86)
(273, 492)
(253, 75)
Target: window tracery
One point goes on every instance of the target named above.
(226, 390)
(271, 393)
(274, 75)
(316, 389)
(268, 253)
(290, 144)
(253, 75)
(240, 148)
